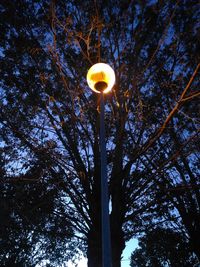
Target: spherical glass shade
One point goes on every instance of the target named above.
(101, 78)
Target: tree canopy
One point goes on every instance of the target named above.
(163, 247)
(49, 125)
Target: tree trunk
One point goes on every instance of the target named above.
(191, 223)
(195, 242)
(118, 245)
(94, 250)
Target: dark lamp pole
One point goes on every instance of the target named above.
(101, 79)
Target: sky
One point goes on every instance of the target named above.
(130, 246)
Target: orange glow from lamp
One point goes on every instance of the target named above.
(101, 78)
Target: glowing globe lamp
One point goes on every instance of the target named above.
(101, 78)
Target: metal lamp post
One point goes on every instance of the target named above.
(101, 79)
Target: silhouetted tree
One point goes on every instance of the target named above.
(162, 247)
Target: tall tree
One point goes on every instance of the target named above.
(50, 120)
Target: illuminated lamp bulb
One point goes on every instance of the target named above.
(101, 78)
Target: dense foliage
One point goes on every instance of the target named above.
(163, 247)
(49, 125)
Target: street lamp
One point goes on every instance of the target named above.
(101, 79)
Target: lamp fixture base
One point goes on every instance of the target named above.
(101, 86)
